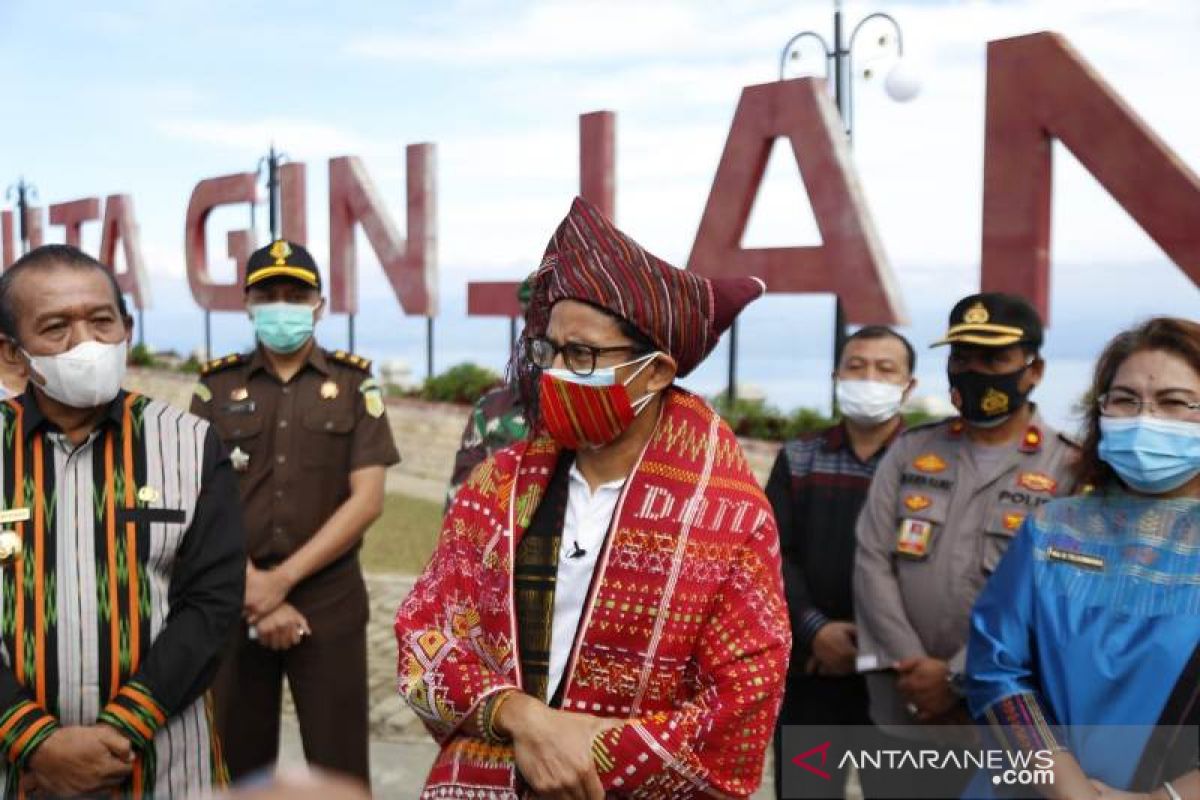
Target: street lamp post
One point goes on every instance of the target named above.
(901, 85)
(22, 191)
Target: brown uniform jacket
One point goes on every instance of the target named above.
(293, 447)
(932, 530)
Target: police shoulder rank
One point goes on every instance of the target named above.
(218, 364)
(914, 537)
(1031, 442)
(373, 397)
(351, 360)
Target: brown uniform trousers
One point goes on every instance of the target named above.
(294, 446)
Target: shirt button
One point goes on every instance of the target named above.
(283, 423)
(328, 426)
(287, 390)
(279, 529)
(281, 458)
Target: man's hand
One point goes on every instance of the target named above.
(835, 646)
(283, 628)
(266, 589)
(77, 760)
(924, 684)
(554, 748)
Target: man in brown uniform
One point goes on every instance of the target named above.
(310, 442)
(943, 506)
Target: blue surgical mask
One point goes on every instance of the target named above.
(283, 327)
(1149, 454)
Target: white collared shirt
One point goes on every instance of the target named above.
(589, 516)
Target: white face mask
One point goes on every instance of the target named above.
(88, 375)
(869, 402)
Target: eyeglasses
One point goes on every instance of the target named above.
(579, 358)
(1123, 404)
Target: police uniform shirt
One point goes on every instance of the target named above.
(935, 524)
(293, 446)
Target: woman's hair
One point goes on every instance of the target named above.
(1180, 337)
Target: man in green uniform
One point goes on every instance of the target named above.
(496, 420)
(309, 439)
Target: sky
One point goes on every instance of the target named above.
(148, 98)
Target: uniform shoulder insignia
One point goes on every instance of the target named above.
(351, 360)
(928, 426)
(1068, 441)
(225, 362)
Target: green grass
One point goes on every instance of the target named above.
(403, 538)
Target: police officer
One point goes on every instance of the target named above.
(943, 506)
(309, 439)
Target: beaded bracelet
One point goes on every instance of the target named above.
(486, 721)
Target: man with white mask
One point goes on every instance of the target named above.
(121, 552)
(817, 487)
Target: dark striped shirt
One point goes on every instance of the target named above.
(130, 578)
(817, 488)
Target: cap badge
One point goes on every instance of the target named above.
(280, 251)
(976, 315)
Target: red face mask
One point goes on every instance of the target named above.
(586, 415)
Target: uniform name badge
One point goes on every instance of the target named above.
(914, 537)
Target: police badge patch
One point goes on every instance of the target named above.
(914, 537)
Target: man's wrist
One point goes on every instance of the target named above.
(26, 726)
(810, 622)
(286, 575)
(507, 719)
(31, 752)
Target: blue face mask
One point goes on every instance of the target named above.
(1151, 455)
(283, 327)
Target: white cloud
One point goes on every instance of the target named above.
(302, 138)
(673, 71)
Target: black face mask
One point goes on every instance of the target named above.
(989, 398)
